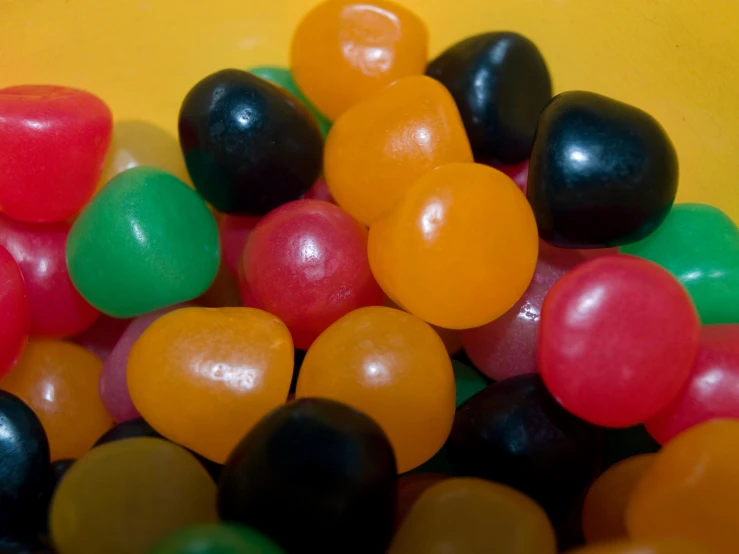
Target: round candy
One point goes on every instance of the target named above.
(306, 263)
(410, 487)
(124, 497)
(343, 50)
(456, 216)
(146, 241)
(393, 367)
(59, 381)
(691, 490)
(216, 538)
(653, 546)
(475, 517)
(101, 338)
(57, 309)
(229, 124)
(315, 476)
(380, 147)
(16, 316)
(54, 141)
(554, 262)
(617, 339)
(234, 232)
(204, 377)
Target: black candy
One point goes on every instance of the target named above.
(500, 83)
(315, 476)
(249, 146)
(602, 173)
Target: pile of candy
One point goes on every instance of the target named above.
(271, 361)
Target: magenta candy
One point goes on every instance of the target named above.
(15, 316)
(234, 232)
(101, 338)
(319, 191)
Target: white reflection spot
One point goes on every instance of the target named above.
(432, 218)
(588, 304)
(237, 378)
(578, 155)
(48, 392)
(377, 374)
(138, 233)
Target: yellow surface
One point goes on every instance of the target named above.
(677, 59)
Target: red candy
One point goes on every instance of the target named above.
(57, 309)
(101, 338)
(234, 232)
(319, 191)
(519, 173)
(617, 339)
(15, 318)
(54, 140)
(306, 262)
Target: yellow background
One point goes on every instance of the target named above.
(677, 59)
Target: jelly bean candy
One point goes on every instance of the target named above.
(57, 309)
(54, 140)
(204, 377)
(376, 150)
(475, 517)
(319, 191)
(621, 444)
(501, 84)
(101, 338)
(515, 433)
(15, 542)
(24, 461)
(59, 381)
(617, 339)
(691, 490)
(282, 77)
(654, 546)
(344, 50)
(519, 173)
(392, 366)
(58, 470)
(315, 476)
(151, 488)
(234, 231)
(554, 262)
(450, 337)
(699, 245)
(216, 538)
(467, 381)
(456, 216)
(224, 292)
(229, 125)
(410, 488)
(602, 173)
(146, 241)
(604, 510)
(306, 263)
(712, 390)
(16, 315)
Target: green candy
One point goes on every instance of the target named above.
(699, 245)
(468, 381)
(146, 241)
(216, 538)
(283, 78)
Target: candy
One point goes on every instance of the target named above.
(475, 517)
(456, 216)
(59, 381)
(124, 497)
(653, 546)
(519, 173)
(58, 470)
(699, 245)
(467, 382)
(501, 84)
(393, 367)
(57, 309)
(315, 476)
(344, 50)
(602, 173)
(377, 149)
(410, 488)
(101, 338)
(617, 339)
(625, 443)
(54, 141)
(306, 263)
(146, 241)
(249, 145)
(204, 377)
(319, 191)
(234, 231)
(216, 538)
(16, 316)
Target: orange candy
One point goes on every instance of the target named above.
(391, 366)
(377, 149)
(459, 249)
(344, 50)
(659, 546)
(59, 381)
(203, 377)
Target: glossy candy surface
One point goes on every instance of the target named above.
(344, 50)
(229, 125)
(457, 215)
(234, 231)
(315, 476)
(306, 262)
(393, 367)
(123, 497)
(203, 377)
(216, 538)
(691, 491)
(473, 516)
(377, 149)
(602, 173)
(617, 339)
(54, 141)
(699, 244)
(59, 381)
(16, 316)
(146, 241)
(654, 546)
(57, 309)
(501, 84)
